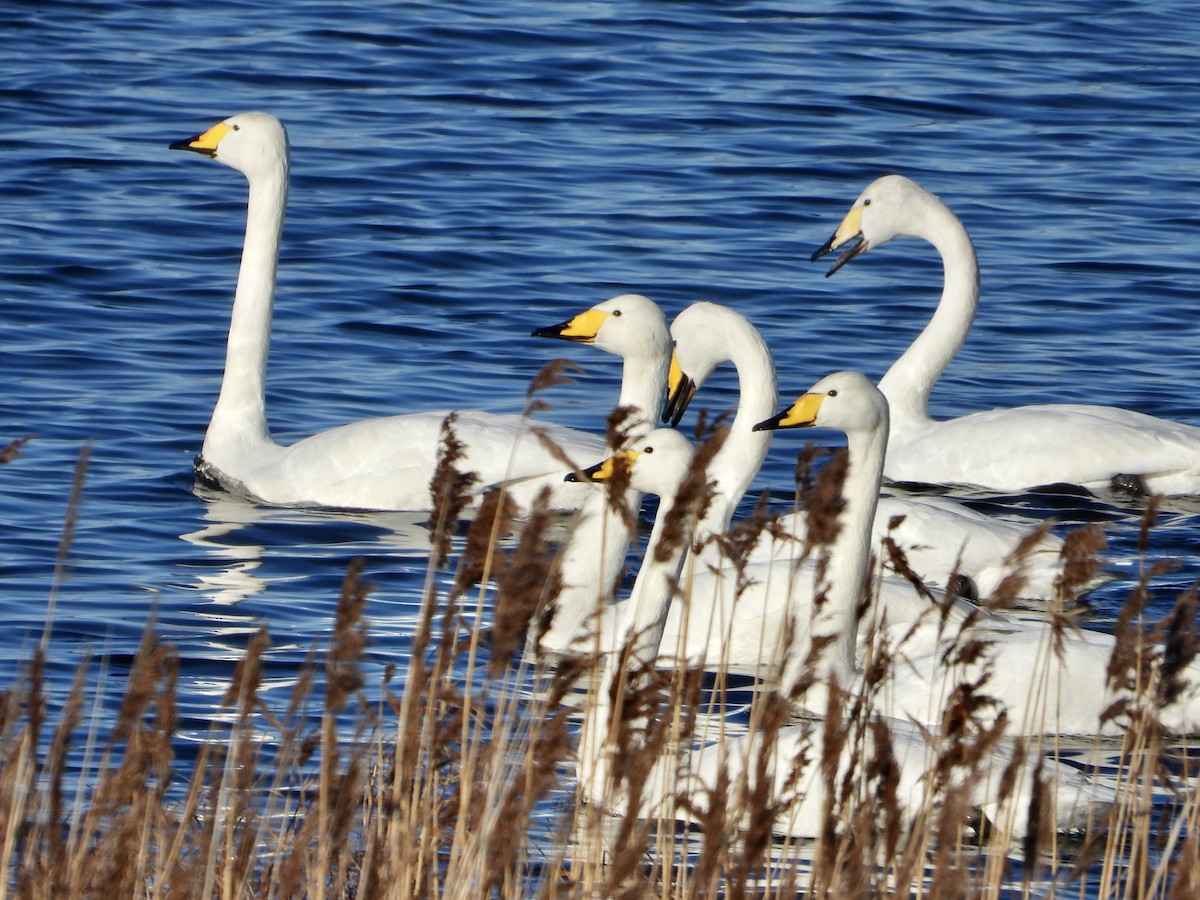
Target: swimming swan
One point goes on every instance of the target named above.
(1096, 447)
(634, 328)
(939, 537)
(726, 626)
(733, 619)
(384, 463)
(660, 463)
(1044, 681)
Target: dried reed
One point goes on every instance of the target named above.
(461, 781)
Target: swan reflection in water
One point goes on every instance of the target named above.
(236, 545)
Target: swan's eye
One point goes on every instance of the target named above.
(237, 127)
(648, 450)
(616, 312)
(831, 393)
(867, 202)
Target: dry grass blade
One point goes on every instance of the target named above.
(524, 580)
(1080, 561)
(552, 374)
(458, 783)
(450, 489)
(12, 449)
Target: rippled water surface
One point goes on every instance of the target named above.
(465, 172)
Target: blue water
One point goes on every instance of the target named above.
(465, 172)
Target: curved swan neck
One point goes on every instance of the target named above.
(908, 383)
(240, 411)
(741, 456)
(645, 614)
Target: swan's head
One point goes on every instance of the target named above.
(846, 401)
(890, 206)
(252, 142)
(628, 325)
(704, 335)
(656, 463)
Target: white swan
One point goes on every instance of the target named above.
(1097, 447)
(1043, 681)
(726, 626)
(659, 463)
(939, 537)
(634, 328)
(733, 619)
(384, 463)
(707, 335)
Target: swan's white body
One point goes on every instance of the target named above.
(384, 463)
(1075, 801)
(1002, 449)
(802, 799)
(634, 328)
(1043, 683)
(939, 537)
(724, 627)
(1041, 690)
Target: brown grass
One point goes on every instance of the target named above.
(459, 781)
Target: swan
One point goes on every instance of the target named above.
(725, 624)
(734, 617)
(634, 328)
(658, 462)
(661, 463)
(1096, 447)
(381, 464)
(940, 538)
(1046, 681)
(707, 335)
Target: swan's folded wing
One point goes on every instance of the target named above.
(1029, 446)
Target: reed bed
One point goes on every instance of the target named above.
(459, 779)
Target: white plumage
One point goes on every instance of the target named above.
(1043, 681)
(634, 328)
(939, 537)
(1003, 449)
(383, 463)
(659, 463)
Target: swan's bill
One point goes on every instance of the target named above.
(606, 470)
(581, 330)
(680, 391)
(205, 144)
(801, 414)
(850, 228)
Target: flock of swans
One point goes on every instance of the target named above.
(736, 614)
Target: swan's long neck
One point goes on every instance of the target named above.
(643, 619)
(644, 615)
(239, 420)
(590, 565)
(849, 563)
(644, 387)
(592, 557)
(741, 456)
(910, 380)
